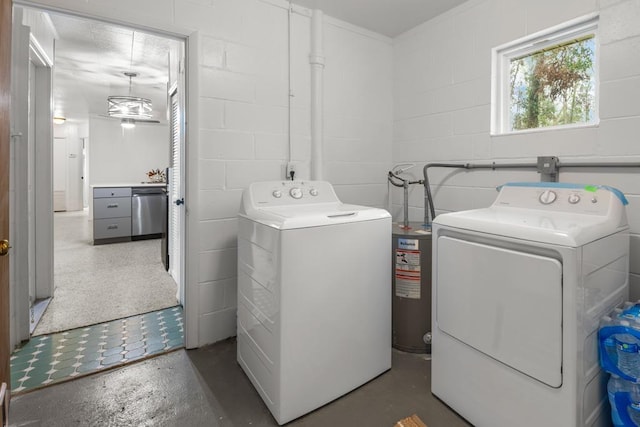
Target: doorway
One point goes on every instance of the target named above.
(80, 132)
(31, 149)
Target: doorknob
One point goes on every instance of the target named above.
(4, 247)
(180, 202)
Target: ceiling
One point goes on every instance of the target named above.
(91, 59)
(387, 17)
(92, 56)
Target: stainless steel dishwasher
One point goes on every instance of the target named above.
(148, 208)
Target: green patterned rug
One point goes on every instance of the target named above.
(49, 359)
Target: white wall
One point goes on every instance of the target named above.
(59, 174)
(238, 122)
(441, 93)
(118, 155)
(42, 30)
(442, 104)
(244, 131)
(243, 138)
(358, 109)
(67, 168)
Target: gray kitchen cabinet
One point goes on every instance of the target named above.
(112, 207)
(111, 214)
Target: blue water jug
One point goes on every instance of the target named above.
(619, 343)
(615, 386)
(627, 352)
(624, 398)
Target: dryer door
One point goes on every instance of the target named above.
(504, 303)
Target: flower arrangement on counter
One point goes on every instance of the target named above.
(156, 175)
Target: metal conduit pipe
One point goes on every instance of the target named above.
(598, 165)
(428, 199)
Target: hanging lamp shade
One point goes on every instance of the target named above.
(128, 106)
(132, 107)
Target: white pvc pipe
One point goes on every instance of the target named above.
(316, 59)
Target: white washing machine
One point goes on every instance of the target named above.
(518, 290)
(314, 294)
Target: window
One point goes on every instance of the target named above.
(546, 80)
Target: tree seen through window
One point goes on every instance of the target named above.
(553, 86)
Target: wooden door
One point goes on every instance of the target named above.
(5, 96)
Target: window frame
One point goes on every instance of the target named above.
(500, 70)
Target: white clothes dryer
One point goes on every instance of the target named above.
(314, 294)
(518, 290)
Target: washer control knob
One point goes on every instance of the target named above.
(277, 194)
(574, 198)
(313, 192)
(296, 193)
(547, 197)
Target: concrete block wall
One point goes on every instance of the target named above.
(442, 101)
(238, 122)
(429, 91)
(246, 94)
(358, 111)
(243, 138)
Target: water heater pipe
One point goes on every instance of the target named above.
(316, 59)
(397, 181)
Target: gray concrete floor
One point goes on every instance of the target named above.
(206, 387)
(96, 284)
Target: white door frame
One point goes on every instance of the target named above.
(32, 132)
(190, 306)
(190, 161)
(43, 173)
(19, 222)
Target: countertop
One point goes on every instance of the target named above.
(130, 184)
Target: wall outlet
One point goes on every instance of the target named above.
(291, 168)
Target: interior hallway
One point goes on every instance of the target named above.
(206, 387)
(95, 284)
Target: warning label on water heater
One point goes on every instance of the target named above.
(407, 272)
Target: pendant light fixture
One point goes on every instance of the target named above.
(129, 108)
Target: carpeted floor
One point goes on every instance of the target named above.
(96, 284)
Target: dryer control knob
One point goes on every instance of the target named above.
(313, 192)
(574, 198)
(277, 194)
(547, 197)
(296, 193)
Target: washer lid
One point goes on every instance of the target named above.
(299, 204)
(315, 215)
(570, 215)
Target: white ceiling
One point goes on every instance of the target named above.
(92, 57)
(90, 61)
(388, 17)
